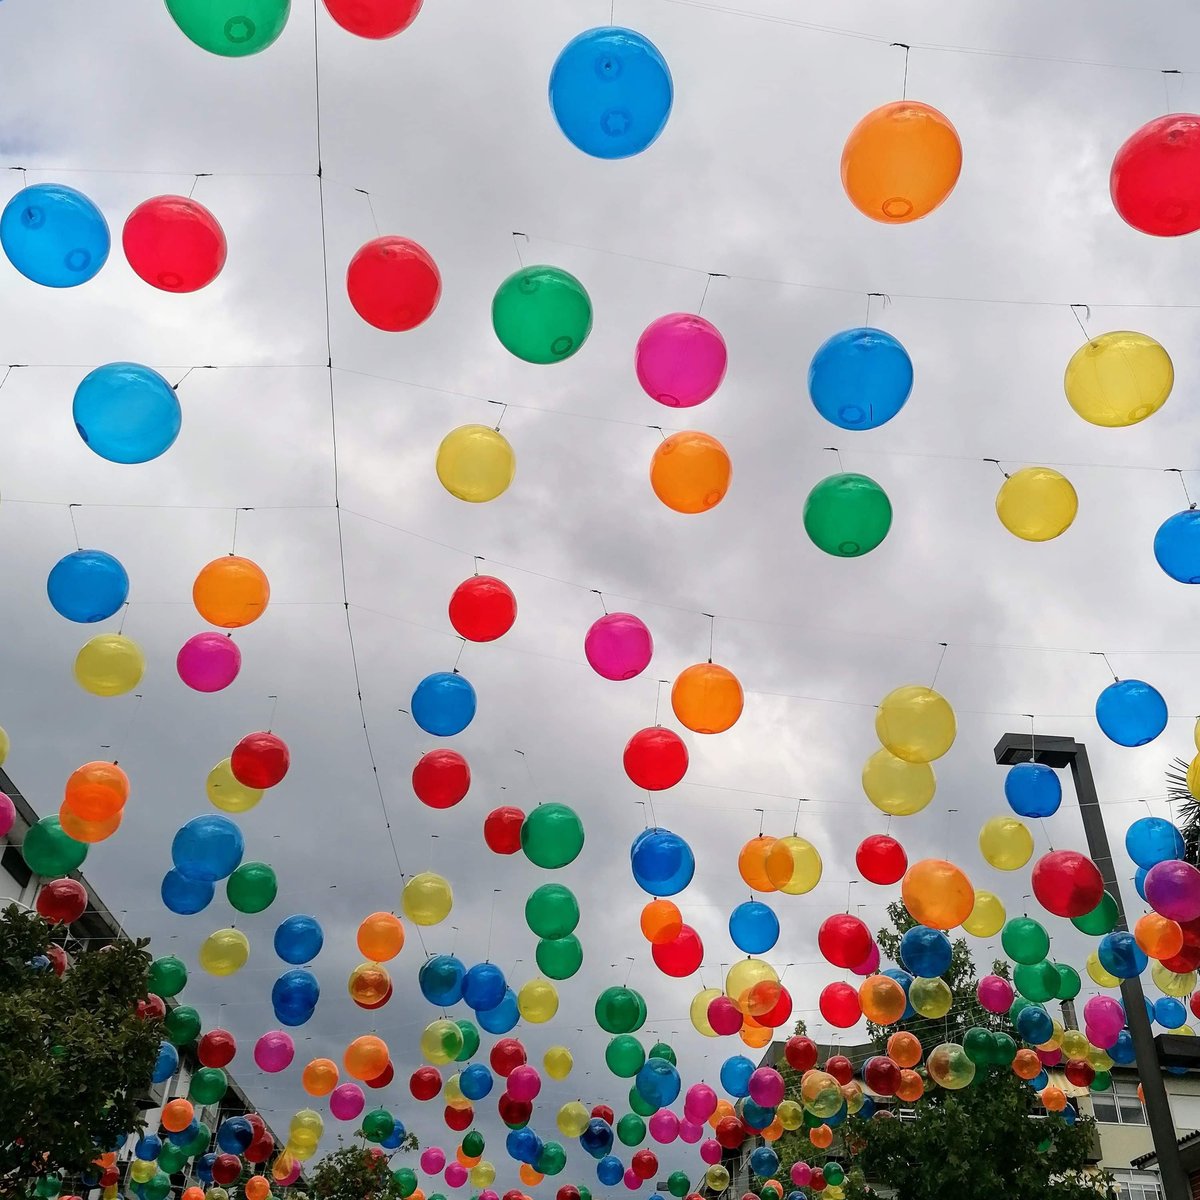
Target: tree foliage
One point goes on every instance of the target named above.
(75, 1057)
(356, 1173)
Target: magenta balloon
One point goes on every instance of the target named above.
(292, 1175)
(1103, 1013)
(633, 1181)
(1173, 890)
(995, 994)
(766, 1087)
(8, 814)
(208, 662)
(488, 1194)
(1050, 1058)
(347, 1101)
(690, 1131)
(1104, 1036)
(699, 1103)
(456, 1175)
(524, 1083)
(870, 964)
(710, 1151)
(274, 1051)
(801, 1174)
(680, 360)
(724, 1016)
(664, 1126)
(618, 646)
(433, 1159)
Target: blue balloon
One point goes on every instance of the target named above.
(294, 996)
(597, 1138)
(523, 1145)
(663, 863)
(868, 1109)
(475, 1082)
(904, 979)
(1177, 546)
(764, 1162)
(658, 1082)
(126, 413)
(753, 927)
(148, 1147)
(1120, 955)
(735, 1075)
(1169, 1013)
(1151, 840)
(441, 980)
(166, 1064)
(1040, 1080)
(611, 92)
(208, 847)
(860, 378)
(393, 1139)
(186, 896)
(183, 1136)
(609, 1170)
(838, 1117)
(503, 1017)
(1069, 1115)
(484, 986)
(87, 586)
(755, 1116)
(1139, 882)
(204, 1166)
(1131, 712)
(925, 952)
(1035, 1025)
(1121, 1051)
(1147, 1005)
(298, 939)
(54, 235)
(234, 1135)
(443, 704)
(1033, 790)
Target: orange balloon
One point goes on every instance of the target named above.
(106, 1160)
(1054, 1099)
(707, 698)
(690, 472)
(530, 1177)
(755, 1036)
(937, 894)
(366, 1057)
(1026, 1064)
(231, 592)
(256, 1188)
(759, 999)
(912, 1087)
(752, 863)
(904, 1048)
(320, 1077)
(177, 1115)
(1159, 937)
(661, 922)
(87, 831)
(900, 162)
(821, 1136)
(381, 937)
(193, 1193)
(883, 1000)
(368, 984)
(97, 791)
(1141, 1094)
(464, 1159)
(281, 1168)
(418, 1194)
(723, 1109)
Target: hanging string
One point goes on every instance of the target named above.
(658, 697)
(491, 924)
(998, 467)
(707, 281)
(196, 177)
(274, 706)
(516, 233)
(71, 512)
(941, 659)
(600, 594)
(712, 627)
(233, 542)
(836, 451)
(907, 51)
(1087, 312)
(371, 207)
(503, 410)
(761, 820)
(1167, 86)
(1101, 654)
(458, 657)
(123, 740)
(124, 614)
(1183, 483)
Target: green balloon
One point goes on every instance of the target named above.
(552, 911)
(542, 314)
(1101, 920)
(47, 1187)
(559, 958)
(847, 515)
(231, 28)
(662, 1050)
(678, 1184)
(168, 976)
(834, 1173)
(158, 1187)
(631, 1130)
(470, 1033)
(552, 1159)
(209, 1084)
(977, 1045)
(625, 1056)
(1069, 983)
(182, 1025)
(1102, 1081)
(437, 1196)
(1036, 981)
(1025, 940)
(49, 852)
(1017, 1007)
(378, 1124)
(473, 1144)
(198, 1145)
(620, 1010)
(252, 887)
(405, 1179)
(585, 1192)
(1004, 1049)
(171, 1157)
(552, 836)
(640, 1105)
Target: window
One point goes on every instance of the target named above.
(1137, 1185)
(1120, 1105)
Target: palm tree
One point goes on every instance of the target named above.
(1188, 808)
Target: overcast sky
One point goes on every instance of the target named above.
(448, 128)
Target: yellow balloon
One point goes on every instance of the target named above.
(142, 1170)
(483, 1174)
(717, 1178)
(699, 1011)
(441, 1042)
(572, 1119)
(1054, 1041)
(1195, 735)
(1005, 843)
(1171, 984)
(224, 952)
(820, 1093)
(987, 916)
(790, 1114)
(1036, 504)
(1119, 379)
(453, 1094)
(537, 1001)
(307, 1120)
(949, 1066)
(225, 793)
(281, 1168)
(915, 723)
(1193, 777)
(475, 463)
(110, 664)
(1074, 1044)
(745, 974)
(930, 997)
(896, 787)
(793, 865)
(427, 899)
(1098, 975)
(558, 1061)
(5, 746)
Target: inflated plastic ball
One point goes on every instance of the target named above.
(62, 901)
(1172, 890)
(1036, 504)
(987, 916)
(551, 911)
(48, 851)
(680, 360)
(226, 793)
(1131, 712)
(502, 830)
(930, 997)
(1151, 840)
(208, 662)
(1119, 379)
(881, 859)
(231, 28)
(792, 865)
(949, 1066)
(753, 927)
(207, 848)
(1177, 546)
(393, 284)
(655, 758)
(380, 937)
(925, 952)
(1067, 883)
(231, 592)
(443, 703)
(937, 893)
(224, 952)
(482, 608)
(1101, 920)
(680, 957)
(915, 723)
(274, 1051)
(662, 862)
(1155, 176)
(844, 940)
(1037, 982)
(441, 778)
(847, 515)
(618, 646)
(126, 413)
(87, 586)
(707, 698)
(860, 378)
(1120, 954)
(690, 471)
(96, 791)
(897, 787)
(54, 235)
(260, 760)
(542, 314)
(883, 1000)
(1032, 790)
(901, 161)
(174, 243)
(252, 887)
(552, 836)
(1005, 843)
(427, 898)
(375, 19)
(1025, 940)
(185, 896)
(475, 463)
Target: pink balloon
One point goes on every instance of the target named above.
(1104, 1015)
(274, 1051)
(292, 1175)
(724, 1016)
(347, 1101)
(524, 1083)
(433, 1159)
(8, 814)
(680, 360)
(664, 1126)
(1050, 1058)
(1103, 1037)
(690, 1132)
(456, 1175)
(710, 1151)
(995, 994)
(766, 1087)
(633, 1181)
(208, 662)
(488, 1194)
(699, 1103)
(801, 1174)
(870, 964)
(618, 646)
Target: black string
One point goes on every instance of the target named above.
(907, 51)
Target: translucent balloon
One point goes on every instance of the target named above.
(883, 1000)
(1036, 504)
(1098, 975)
(226, 793)
(558, 1062)
(915, 723)
(843, 939)
(174, 243)
(690, 471)
(1025, 940)
(231, 28)
(847, 515)
(366, 1057)
(49, 851)
(443, 703)
(682, 956)
(1131, 713)
(698, 1012)
(54, 235)
(1173, 983)
(231, 592)
(274, 1051)
(440, 1043)
(611, 92)
(260, 760)
(1177, 546)
(930, 997)
(482, 608)
(378, 19)
(209, 847)
(987, 916)
(925, 952)
(1101, 920)
(1006, 843)
(224, 952)
(542, 314)
(655, 758)
(1119, 379)
(551, 911)
(949, 1066)
(1151, 840)
(707, 698)
(537, 1002)
(186, 896)
(1173, 890)
(208, 662)
(427, 898)
(298, 939)
(552, 836)
(380, 936)
(1155, 175)
(753, 927)
(97, 791)
(938, 894)
(662, 863)
(559, 958)
(87, 586)
(1032, 790)
(483, 988)
(860, 378)
(1158, 937)
(680, 360)
(572, 1119)
(792, 865)
(475, 463)
(252, 887)
(1067, 883)
(618, 646)
(441, 778)
(393, 283)
(897, 787)
(881, 859)
(346, 1102)
(126, 413)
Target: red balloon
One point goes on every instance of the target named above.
(817, 1182)
(153, 1008)
(801, 1053)
(656, 758)
(260, 760)
(881, 1075)
(780, 1014)
(1067, 883)
(567, 1192)
(482, 608)
(174, 243)
(645, 1164)
(604, 1113)
(680, 957)
(1080, 1072)
(514, 1112)
(724, 1016)
(840, 1067)
(62, 901)
(216, 1048)
(1194, 1004)
(1188, 959)
(393, 284)
(441, 778)
(845, 941)
(226, 1168)
(109, 1177)
(730, 1132)
(58, 958)
(384, 1077)
(260, 1149)
(1155, 178)
(502, 830)
(839, 1005)
(514, 1194)
(425, 1083)
(506, 1055)
(374, 18)
(459, 1119)
(378, 1003)
(881, 859)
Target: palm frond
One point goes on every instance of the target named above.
(1186, 806)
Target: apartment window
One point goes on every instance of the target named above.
(1120, 1105)
(1137, 1185)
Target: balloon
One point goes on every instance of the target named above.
(97, 791)
(1005, 843)
(1158, 937)
(1131, 713)
(883, 1001)
(552, 836)
(427, 898)
(662, 862)
(224, 952)
(185, 896)
(620, 1010)
(252, 887)
(231, 28)
(707, 698)
(347, 1101)
(655, 759)
(1032, 790)
(611, 92)
(49, 851)
(558, 1062)
(375, 19)
(925, 951)
(380, 936)
(900, 162)
(54, 235)
(551, 911)
(62, 901)
(753, 927)
(208, 662)
(1101, 920)
(1119, 379)
(541, 314)
(503, 1016)
(658, 1082)
(1172, 889)
(502, 830)
(930, 997)
(294, 997)
(126, 413)
(1177, 546)
(680, 360)
(690, 472)
(844, 940)
(1067, 883)
(949, 1066)
(1025, 940)
(681, 957)
(1151, 840)
(839, 1005)
(8, 814)
(174, 244)
(207, 848)
(559, 958)
(792, 865)
(847, 515)
(860, 378)
(936, 893)
(987, 916)
(1155, 174)
(483, 988)
(443, 703)
(87, 586)
(365, 1057)
(1036, 504)
(881, 859)
(441, 778)
(393, 284)
(231, 592)
(482, 608)
(915, 723)
(537, 1002)
(208, 1085)
(274, 1051)
(475, 463)
(369, 985)
(1037, 982)
(618, 646)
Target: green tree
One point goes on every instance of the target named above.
(75, 1057)
(358, 1173)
